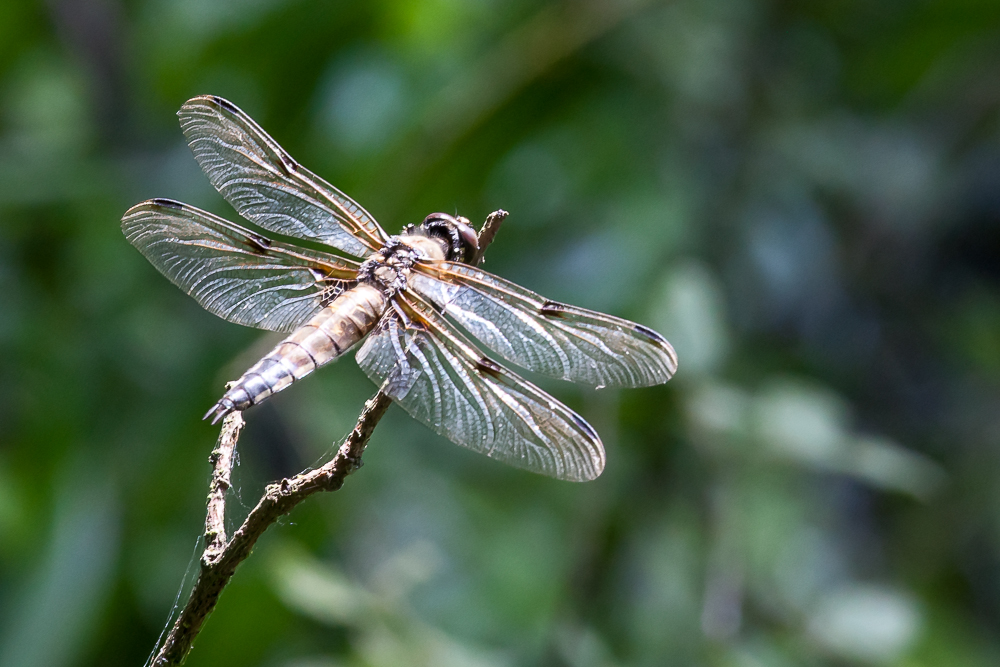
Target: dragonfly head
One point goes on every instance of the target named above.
(456, 232)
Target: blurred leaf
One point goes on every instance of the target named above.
(386, 632)
(867, 623)
(53, 615)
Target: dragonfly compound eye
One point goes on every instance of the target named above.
(461, 237)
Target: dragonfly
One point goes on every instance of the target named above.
(412, 300)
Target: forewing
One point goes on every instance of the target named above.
(233, 272)
(267, 186)
(443, 381)
(551, 338)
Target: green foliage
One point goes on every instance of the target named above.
(801, 196)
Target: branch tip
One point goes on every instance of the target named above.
(488, 233)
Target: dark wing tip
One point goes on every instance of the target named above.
(596, 446)
(223, 103)
(662, 343)
(166, 203)
(153, 203)
(141, 207)
(649, 333)
(209, 100)
(146, 206)
(585, 427)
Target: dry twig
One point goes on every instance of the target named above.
(221, 556)
(488, 233)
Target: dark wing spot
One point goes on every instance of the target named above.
(488, 366)
(225, 104)
(257, 243)
(553, 309)
(287, 164)
(649, 333)
(168, 203)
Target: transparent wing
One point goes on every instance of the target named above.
(551, 338)
(437, 376)
(233, 272)
(267, 186)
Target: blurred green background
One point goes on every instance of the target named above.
(804, 197)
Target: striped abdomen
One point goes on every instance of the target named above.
(330, 333)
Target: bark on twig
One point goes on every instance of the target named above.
(221, 556)
(222, 466)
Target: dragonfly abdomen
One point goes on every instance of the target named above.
(330, 333)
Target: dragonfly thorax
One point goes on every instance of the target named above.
(387, 269)
(439, 237)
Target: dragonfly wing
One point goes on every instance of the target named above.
(442, 380)
(551, 338)
(233, 272)
(267, 186)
